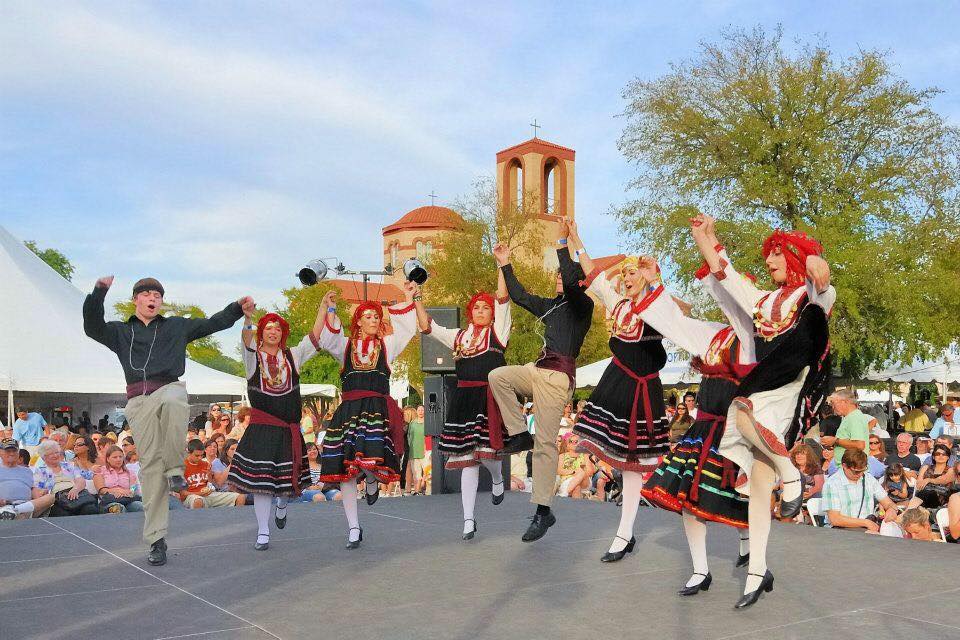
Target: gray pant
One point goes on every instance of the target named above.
(550, 391)
(159, 425)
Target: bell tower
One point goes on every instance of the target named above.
(539, 176)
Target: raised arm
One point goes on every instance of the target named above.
(576, 249)
(331, 338)
(740, 290)
(310, 344)
(532, 303)
(403, 318)
(503, 316)
(93, 323)
(202, 327)
(740, 319)
(660, 311)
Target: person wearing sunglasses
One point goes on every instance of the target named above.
(850, 497)
(946, 424)
(935, 480)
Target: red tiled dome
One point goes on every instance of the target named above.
(429, 217)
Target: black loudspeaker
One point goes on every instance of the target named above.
(437, 391)
(434, 357)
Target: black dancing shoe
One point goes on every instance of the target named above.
(520, 442)
(790, 508)
(497, 499)
(356, 543)
(177, 484)
(749, 599)
(280, 522)
(743, 560)
(469, 535)
(158, 553)
(373, 497)
(262, 546)
(697, 588)
(538, 526)
(616, 556)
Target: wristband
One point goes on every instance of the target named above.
(249, 327)
(562, 242)
(331, 309)
(417, 298)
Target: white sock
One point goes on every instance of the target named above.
(282, 506)
(495, 467)
(24, 508)
(261, 507)
(761, 488)
(469, 480)
(348, 489)
(632, 484)
(744, 541)
(696, 531)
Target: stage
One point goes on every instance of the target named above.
(86, 578)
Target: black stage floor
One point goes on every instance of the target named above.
(86, 577)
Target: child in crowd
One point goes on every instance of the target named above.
(895, 483)
(200, 492)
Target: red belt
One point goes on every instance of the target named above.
(394, 416)
(494, 419)
(647, 408)
(296, 440)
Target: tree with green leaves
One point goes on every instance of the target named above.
(761, 135)
(300, 311)
(205, 351)
(55, 259)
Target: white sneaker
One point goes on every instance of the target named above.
(8, 513)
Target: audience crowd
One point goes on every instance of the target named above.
(856, 475)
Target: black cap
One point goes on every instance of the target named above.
(9, 443)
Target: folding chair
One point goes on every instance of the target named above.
(815, 508)
(943, 522)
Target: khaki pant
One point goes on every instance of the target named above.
(211, 500)
(550, 391)
(159, 425)
(416, 466)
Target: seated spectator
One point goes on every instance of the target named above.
(128, 445)
(132, 462)
(24, 457)
(935, 481)
(916, 525)
(850, 496)
(66, 447)
(909, 461)
(211, 454)
(85, 457)
(213, 420)
(574, 469)
(827, 464)
(102, 445)
(220, 466)
(947, 441)
(116, 486)
(192, 433)
(896, 484)
(874, 467)
(225, 426)
(604, 478)
(220, 439)
(945, 424)
(200, 492)
(19, 495)
(241, 424)
(64, 481)
(680, 423)
(924, 445)
(811, 472)
(318, 491)
(876, 449)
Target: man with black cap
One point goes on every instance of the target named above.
(19, 497)
(152, 351)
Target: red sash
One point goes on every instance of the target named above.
(494, 419)
(296, 440)
(394, 417)
(647, 408)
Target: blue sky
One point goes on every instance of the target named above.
(218, 145)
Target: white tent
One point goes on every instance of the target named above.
(676, 372)
(42, 344)
(944, 371)
(869, 395)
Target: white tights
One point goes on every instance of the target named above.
(696, 531)
(261, 508)
(348, 491)
(470, 481)
(788, 473)
(632, 484)
(762, 480)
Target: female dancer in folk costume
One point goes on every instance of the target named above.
(792, 342)
(270, 460)
(693, 479)
(366, 432)
(624, 422)
(473, 431)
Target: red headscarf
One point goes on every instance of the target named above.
(796, 247)
(284, 328)
(356, 333)
(479, 297)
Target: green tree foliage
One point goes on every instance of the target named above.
(57, 261)
(762, 137)
(206, 351)
(302, 304)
